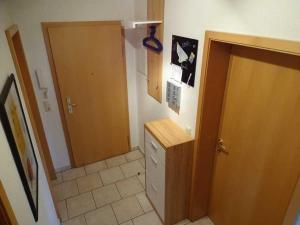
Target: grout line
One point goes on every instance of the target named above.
(103, 185)
(106, 166)
(114, 213)
(140, 204)
(84, 213)
(100, 179)
(67, 210)
(94, 200)
(119, 191)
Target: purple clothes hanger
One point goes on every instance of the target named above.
(149, 41)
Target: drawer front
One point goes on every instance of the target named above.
(151, 191)
(154, 147)
(155, 173)
(156, 194)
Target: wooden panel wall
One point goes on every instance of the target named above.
(155, 12)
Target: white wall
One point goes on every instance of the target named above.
(190, 18)
(29, 14)
(8, 173)
(187, 18)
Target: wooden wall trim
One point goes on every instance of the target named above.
(204, 159)
(8, 209)
(272, 44)
(155, 11)
(31, 102)
(35, 118)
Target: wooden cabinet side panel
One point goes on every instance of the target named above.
(155, 60)
(178, 180)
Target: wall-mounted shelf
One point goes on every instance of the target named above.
(134, 24)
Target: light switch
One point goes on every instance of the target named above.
(47, 107)
(173, 96)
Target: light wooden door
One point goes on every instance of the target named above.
(254, 182)
(90, 70)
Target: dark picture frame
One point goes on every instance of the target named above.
(184, 54)
(17, 133)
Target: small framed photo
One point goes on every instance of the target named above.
(17, 133)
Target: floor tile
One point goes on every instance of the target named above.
(147, 219)
(88, 183)
(65, 190)
(144, 202)
(76, 221)
(106, 194)
(183, 222)
(62, 210)
(80, 204)
(129, 186)
(142, 162)
(142, 179)
(132, 168)
(95, 167)
(127, 223)
(73, 174)
(116, 161)
(127, 209)
(58, 179)
(133, 155)
(102, 216)
(203, 221)
(111, 175)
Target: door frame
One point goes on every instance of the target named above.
(215, 62)
(30, 98)
(32, 108)
(45, 27)
(5, 206)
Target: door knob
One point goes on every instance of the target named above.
(70, 105)
(221, 146)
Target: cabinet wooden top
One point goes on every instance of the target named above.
(168, 133)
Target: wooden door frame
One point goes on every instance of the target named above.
(4, 202)
(35, 118)
(31, 101)
(215, 62)
(45, 27)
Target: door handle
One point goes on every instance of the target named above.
(221, 148)
(70, 105)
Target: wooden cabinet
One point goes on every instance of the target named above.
(168, 150)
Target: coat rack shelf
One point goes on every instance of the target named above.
(135, 24)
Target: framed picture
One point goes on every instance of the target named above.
(184, 55)
(17, 133)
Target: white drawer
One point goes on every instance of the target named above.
(153, 165)
(152, 145)
(155, 173)
(156, 194)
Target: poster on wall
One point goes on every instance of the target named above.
(184, 55)
(17, 133)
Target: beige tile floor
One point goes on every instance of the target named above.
(109, 192)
